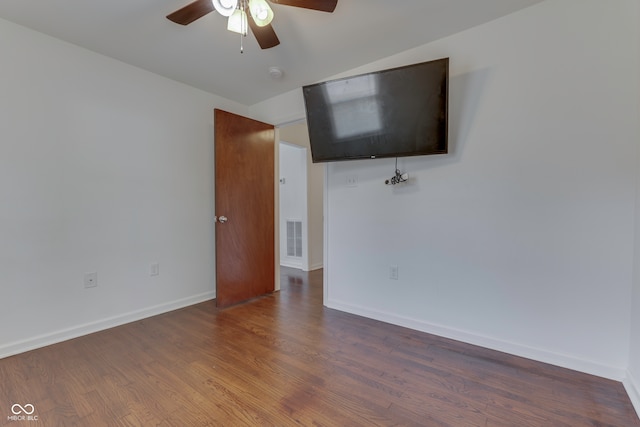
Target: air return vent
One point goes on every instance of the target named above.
(294, 238)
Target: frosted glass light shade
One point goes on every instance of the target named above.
(238, 22)
(261, 12)
(225, 7)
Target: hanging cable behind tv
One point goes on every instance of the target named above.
(398, 178)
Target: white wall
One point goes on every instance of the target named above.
(297, 134)
(103, 167)
(519, 239)
(632, 383)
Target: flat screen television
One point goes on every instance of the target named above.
(391, 113)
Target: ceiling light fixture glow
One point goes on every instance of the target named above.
(225, 7)
(261, 12)
(237, 10)
(238, 22)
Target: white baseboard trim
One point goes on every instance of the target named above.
(632, 386)
(44, 340)
(299, 266)
(290, 264)
(564, 361)
(316, 266)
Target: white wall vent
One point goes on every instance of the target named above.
(294, 238)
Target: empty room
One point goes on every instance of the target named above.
(466, 251)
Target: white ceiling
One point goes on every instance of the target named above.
(313, 45)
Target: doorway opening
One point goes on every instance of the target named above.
(301, 192)
(293, 207)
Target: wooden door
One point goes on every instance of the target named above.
(244, 196)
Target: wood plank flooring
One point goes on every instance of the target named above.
(285, 360)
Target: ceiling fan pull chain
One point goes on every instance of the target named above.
(241, 8)
(244, 25)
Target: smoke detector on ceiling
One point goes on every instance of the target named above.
(276, 73)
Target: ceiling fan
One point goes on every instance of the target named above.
(258, 18)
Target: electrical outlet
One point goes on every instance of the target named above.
(154, 269)
(91, 280)
(352, 181)
(393, 272)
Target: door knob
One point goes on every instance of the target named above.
(222, 219)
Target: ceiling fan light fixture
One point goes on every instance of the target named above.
(261, 12)
(238, 22)
(225, 7)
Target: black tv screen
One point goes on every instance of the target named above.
(392, 113)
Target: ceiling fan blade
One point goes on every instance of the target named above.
(266, 36)
(321, 5)
(191, 12)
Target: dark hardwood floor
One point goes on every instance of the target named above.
(286, 360)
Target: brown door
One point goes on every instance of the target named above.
(244, 203)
